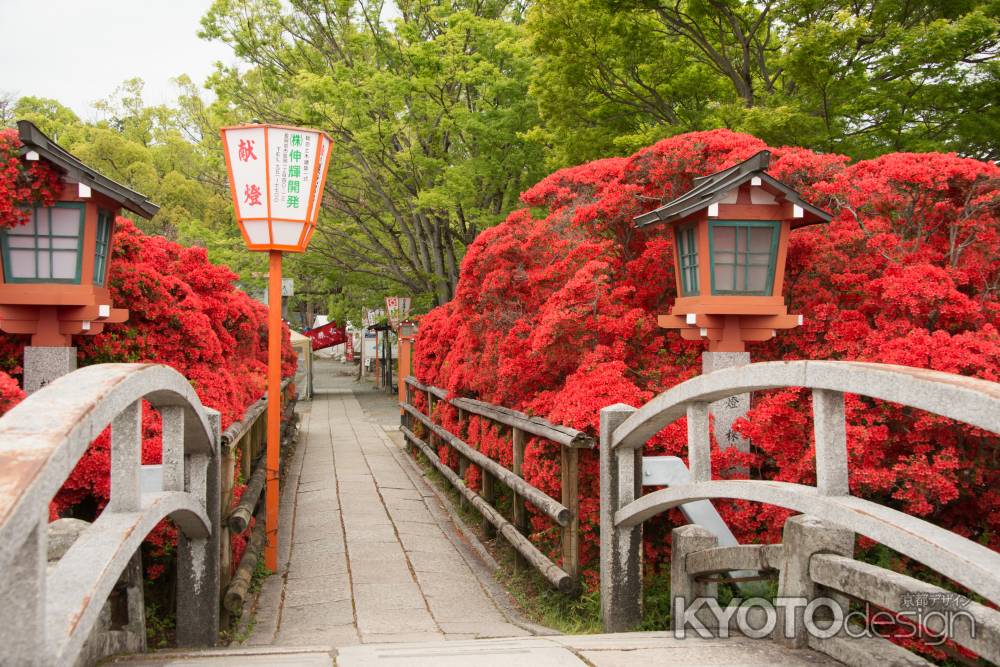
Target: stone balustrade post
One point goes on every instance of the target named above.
(22, 589)
(803, 536)
(126, 460)
(621, 548)
(684, 588)
(198, 606)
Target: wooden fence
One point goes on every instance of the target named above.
(564, 512)
(243, 444)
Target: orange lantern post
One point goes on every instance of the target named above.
(276, 175)
(407, 333)
(397, 309)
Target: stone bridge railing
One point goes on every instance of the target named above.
(816, 555)
(46, 617)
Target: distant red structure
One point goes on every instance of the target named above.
(327, 335)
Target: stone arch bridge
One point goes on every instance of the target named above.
(375, 568)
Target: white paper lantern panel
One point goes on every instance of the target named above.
(247, 161)
(292, 166)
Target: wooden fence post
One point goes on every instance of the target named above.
(405, 418)
(463, 463)
(520, 514)
(225, 541)
(246, 448)
(490, 496)
(570, 474)
(431, 438)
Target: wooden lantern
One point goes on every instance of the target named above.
(730, 234)
(53, 282)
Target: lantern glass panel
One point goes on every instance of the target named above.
(47, 248)
(743, 256)
(65, 222)
(43, 264)
(687, 254)
(105, 223)
(63, 265)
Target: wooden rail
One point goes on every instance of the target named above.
(564, 512)
(243, 444)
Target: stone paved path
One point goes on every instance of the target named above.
(367, 553)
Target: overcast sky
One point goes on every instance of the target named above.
(79, 51)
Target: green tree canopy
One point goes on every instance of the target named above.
(862, 77)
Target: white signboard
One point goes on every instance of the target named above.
(370, 346)
(293, 161)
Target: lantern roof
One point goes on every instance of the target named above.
(35, 140)
(711, 189)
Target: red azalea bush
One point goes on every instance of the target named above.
(22, 184)
(555, 315)
(10, 392)
(183, 312)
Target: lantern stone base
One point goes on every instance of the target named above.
(728, 410)
(42, 365)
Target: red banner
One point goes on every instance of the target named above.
(327, 335)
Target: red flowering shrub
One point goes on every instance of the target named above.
(555, 314)
(183, 312)
(22, 184)
(10, 392)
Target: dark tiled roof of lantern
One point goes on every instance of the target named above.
(36, 140)
(710, 189)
